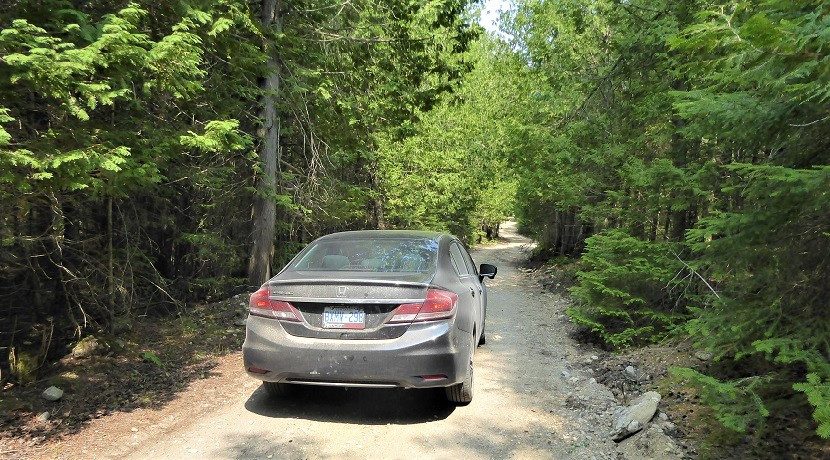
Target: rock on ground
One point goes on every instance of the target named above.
(641, 410)
(88, 346)
(651, 443)
(631, 372)
(52, 393)
(703, 355)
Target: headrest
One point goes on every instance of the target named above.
(335, 262)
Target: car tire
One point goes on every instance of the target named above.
(461, 394)
(482, 340)
(277, 390)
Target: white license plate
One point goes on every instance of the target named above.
(344, 318)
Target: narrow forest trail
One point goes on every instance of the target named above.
(524, 404)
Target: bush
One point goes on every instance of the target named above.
(624, 293)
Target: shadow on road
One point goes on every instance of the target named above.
(365, 406)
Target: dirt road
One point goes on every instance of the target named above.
(529, 402)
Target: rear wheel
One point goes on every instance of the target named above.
(483, 339)
(462, 393)
(276, 389)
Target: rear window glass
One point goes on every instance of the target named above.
(458, 260)
(413, 255)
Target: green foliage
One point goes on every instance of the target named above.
(437, 178)
(817, 389)
(24, 365)
(624, 291)
(736, 403)
(220, 135)
(782, 228)
(151, 357)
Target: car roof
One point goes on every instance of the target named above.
(371, 234)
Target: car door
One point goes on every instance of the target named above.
(479, 286)
(468, 279)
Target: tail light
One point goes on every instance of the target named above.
(439, 304)
(262, 305)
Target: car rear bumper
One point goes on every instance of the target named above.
(425, 349)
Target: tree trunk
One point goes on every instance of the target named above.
(553, 233)
(680, 221)
(376, 219)
(567, 227)
(655, 221)
(110, 267)
(265, 206)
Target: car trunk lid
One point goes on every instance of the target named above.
(376, 295)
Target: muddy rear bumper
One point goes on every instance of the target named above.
(425, 349)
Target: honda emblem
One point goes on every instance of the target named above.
(341, 291)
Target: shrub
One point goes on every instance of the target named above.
(624, 292)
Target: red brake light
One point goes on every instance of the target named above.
(439, 304)
(262, 305)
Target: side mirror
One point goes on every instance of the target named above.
(487, 271)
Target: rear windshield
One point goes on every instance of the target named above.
(406, 255)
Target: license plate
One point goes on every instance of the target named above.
(344, 318)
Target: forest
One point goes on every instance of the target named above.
(674, 154)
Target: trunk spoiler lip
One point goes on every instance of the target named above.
(347, 300)
(350, 281)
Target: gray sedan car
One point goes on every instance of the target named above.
(377, 308)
